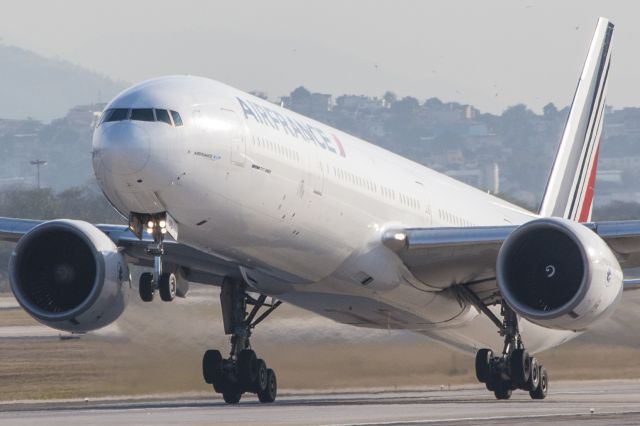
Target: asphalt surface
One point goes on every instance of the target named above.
(595, 402)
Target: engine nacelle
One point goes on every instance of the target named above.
(559, 274)
(69, 275)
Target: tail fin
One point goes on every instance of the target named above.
(570, 188)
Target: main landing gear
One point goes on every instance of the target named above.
(242, 371)
(514, 368)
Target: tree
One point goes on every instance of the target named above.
(550, 110)
(29, 204)
(407, 105)
(300, 94)
(433, 104)
(390, 98)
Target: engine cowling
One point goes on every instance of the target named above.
(69, 275)
(559, 274)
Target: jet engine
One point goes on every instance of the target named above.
(559, 274)
(69, 275)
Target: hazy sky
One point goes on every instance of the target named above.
(489, 53)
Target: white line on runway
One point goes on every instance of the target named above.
(485, 419)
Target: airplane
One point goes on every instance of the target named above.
(223, 188)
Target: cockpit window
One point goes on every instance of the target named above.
(142, 114)
(163, 115)
(105, 115)
(176, 118)
(117, 114)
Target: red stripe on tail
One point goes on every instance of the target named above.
(591, 186)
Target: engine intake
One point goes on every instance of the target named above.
(69, 275)
(559, 274)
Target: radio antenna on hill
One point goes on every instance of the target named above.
(38, 163)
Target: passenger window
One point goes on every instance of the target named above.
(142, 114)
(163, 115)
(117, 114)
(176, 118)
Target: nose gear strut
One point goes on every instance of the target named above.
(158, 225)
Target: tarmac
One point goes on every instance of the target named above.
(589, 402)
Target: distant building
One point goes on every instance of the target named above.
(321, 102)
(314, 103)
(84, 115)
(470, 112)
(359, 103)
(486, 177)
(630, 162)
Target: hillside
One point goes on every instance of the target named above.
(44, 89)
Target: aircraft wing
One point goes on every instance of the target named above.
(445, 257)
(199, 266)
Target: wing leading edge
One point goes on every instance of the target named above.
(201, 267)
(445, 257)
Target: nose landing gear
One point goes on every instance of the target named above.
(158, 225)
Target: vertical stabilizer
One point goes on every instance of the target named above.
(570, 188)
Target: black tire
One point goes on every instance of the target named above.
(212, 367)
(167, 286)
(232, 397)
(483, 364)
(271, 391)
(261, 382)
(543, 386)
(246, 368)
(520, 364)
(534, 378)
(502, 390)
(145, 286)
(491, 382)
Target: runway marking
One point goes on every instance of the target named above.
(490, 418)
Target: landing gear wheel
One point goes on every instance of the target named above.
(231, 397)
(212, 367)
(520, 367)
(167, 286)
(271, 391)
(246, 368)
(502, 390)
(534, 378)
(492, 382)
(145, 286)
(483, 365)
(541, 391)
(261, 382)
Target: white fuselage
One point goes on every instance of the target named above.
(299, 205)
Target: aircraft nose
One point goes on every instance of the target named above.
(123, 148)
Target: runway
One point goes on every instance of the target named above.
(601, 402)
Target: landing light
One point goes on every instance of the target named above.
(163, 230)
(150, 224)
(163, 224)
(150, 230)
